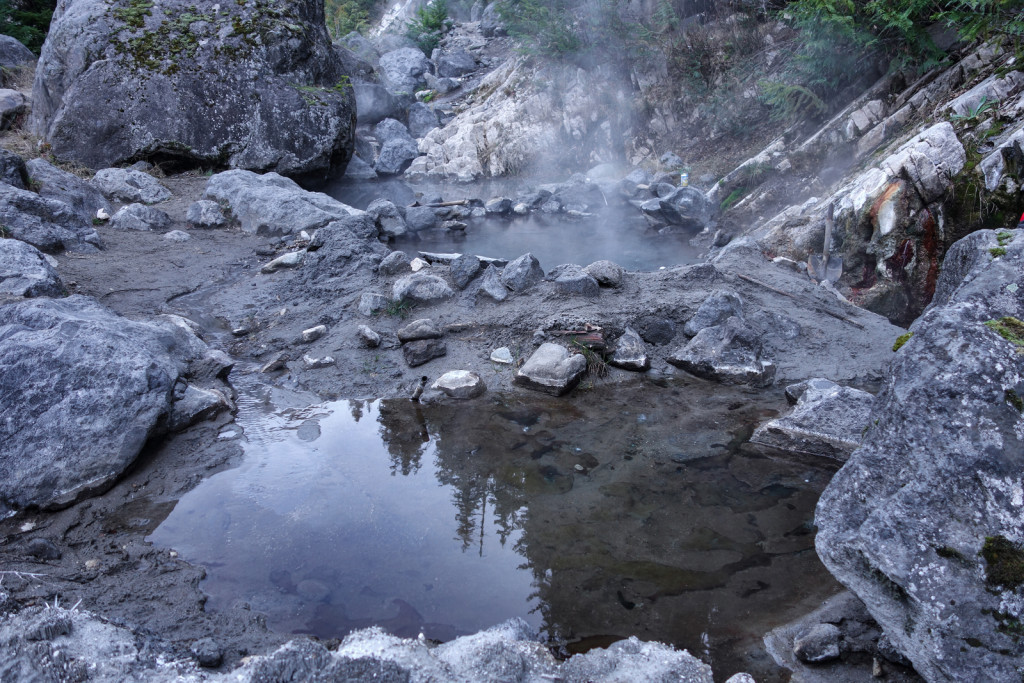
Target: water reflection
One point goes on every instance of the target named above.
(596, 517)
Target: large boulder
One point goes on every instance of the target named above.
(14, 53)
(271, 204)
(127, 185)
(55, 183)
(730, 353)
(47, 224)
(402, 71)
(254, 85)
(924, 522)
(82, 389)
(25, 272)
(13, 170)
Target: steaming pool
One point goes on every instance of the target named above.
(625, 511)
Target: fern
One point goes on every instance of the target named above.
(789, 102)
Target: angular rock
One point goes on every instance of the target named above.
(206, 214)
(336, 248)
(422, 119)
(502, 355)
(522, 273)
(552, 370)
(13, 106)
(828, 421)
(374, 103)
(140, 217)
(241, 86)
(292, 259)
(655, 329)
(25, 272)
(371, 302)
(420, 218)
(630, 352)
(14, 53)
(313, 333)
(46, 224)
(125, 185)
(271, 204)
(576, 282)
(730, 353)
(394, 263)
(491, 285)
(719, 306)
(924, 521)
(464, 269)
(635, 660)
(460, 384)
(454, 63)
(607, 273)
(499, 206)
(417, 353)
(54, 183)
(402, 70)
(421, 288)
(194, 404)
(388, 218)
(818, 644)
(12, 168)
(81, 390)
(358, 169)
(367, 337)
(424, 328)
(396, 153)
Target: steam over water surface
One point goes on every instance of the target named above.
(617, 512)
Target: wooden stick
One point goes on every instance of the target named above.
(454, 202)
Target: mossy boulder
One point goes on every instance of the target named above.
(253, 84)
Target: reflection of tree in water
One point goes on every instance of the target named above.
(403, 429)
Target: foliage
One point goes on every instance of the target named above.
(399, 308)
(541, 27)
(974, 113)
(429, 26)
(789, 101)
(345, 16)
(1009, 328)
(27, 20)
(901, 340)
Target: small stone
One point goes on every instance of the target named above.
(42, 549)
(607, 273)
(421, 288)
(460, 384)
(277, 362)
(367, 337)
(522, 273)
(425, 328)
(314, 333)
(418, 264)
(289, 260)
(371, 302)
(818, 644)
(140, 217)
(491, 285)
(423, 351)
(502, 355)
(205, 214)
(394, 263)
(630, 352)
(318, 363)
(207, 652)
(177, 236)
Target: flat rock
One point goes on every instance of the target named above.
(424, 328)
(271, 204)
(125, 185)
(460, 384)
(140, 217)
(82, 389)
(575, 281)
(25, 272)
(730, 353)
(417, 353)
(552, 370)
(421, 288)
(829, 421)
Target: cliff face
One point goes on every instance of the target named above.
(254, 85)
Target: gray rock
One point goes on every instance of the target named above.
(395, 156)
(207, 652)
(358, 169)
(177, 236)
(422, 119)
(464, 269)
(293, 259)
(42, 549)
(193, 404)
(206, 214)
(13, 106)
(391, 129)
(552, 370)
(54, 183)
(502, 355)
(362, 47)
(250, 90)
(124, 185)
(342, 246)
(417, 353)
(828, 421)
(419, 218)
(360, 224)
(421, 288)
(498, 206)
(140, 217)
(402, 70)
(82, 389)
(12, 168)
(491, 285)
(576, 282)
(271, 204)
(389, 220)
(730, 353)
(654, 329)
(634, 660)
(46, 224)
(818, 644)
(522, 273)
(687, 207)
(424, 328)
(367, 337)
(24, 272)
(374, 103)
(923, 522)
(371, 302)
(394, 263)
(313, 333)
(14, 53)
(460, 384)
(490, 21)
(719, 306)
(630, 352)
(455, 63)
(312, 363)
(607, 273)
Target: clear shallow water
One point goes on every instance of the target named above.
(616, 512)
(618, 233)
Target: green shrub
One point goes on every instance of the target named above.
(429, 26)
(546, 28)
(27, 21)
(345, 16)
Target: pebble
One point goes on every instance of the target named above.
(502, 355)
(314, 333)
(318, 363)
(177, 236)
